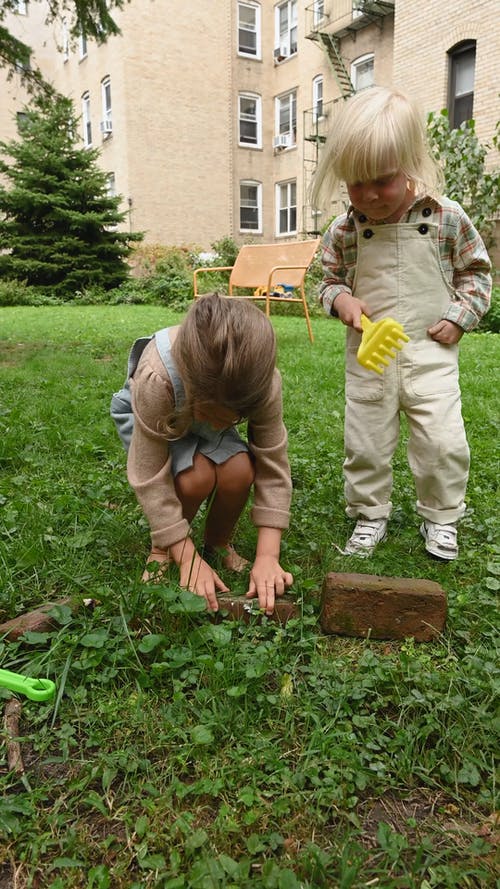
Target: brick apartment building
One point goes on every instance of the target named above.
(210, 117)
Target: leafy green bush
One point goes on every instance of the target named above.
(18, 293)
(227, 250)
(491, 320)
(467, 180)
(164, 277)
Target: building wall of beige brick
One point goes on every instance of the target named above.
(175, 81)
(421, 61)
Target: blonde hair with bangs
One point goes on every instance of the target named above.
(225, 353)
(378, 130)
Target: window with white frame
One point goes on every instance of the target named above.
(462, 67)
(286, 120)
(250, 206)
(86, 122)
(357, 9)
(107, 120)
(249, 43)
(317, 97)
(82, 45)
(318, 12)
(111, 185)
(363, 71)
(285, 37)
(286, 208)
(249, 120)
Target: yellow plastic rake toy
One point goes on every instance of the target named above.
(379, 340)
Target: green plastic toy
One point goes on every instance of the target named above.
(34, 689)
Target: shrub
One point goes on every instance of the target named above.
(18, 293)
(491, 320)
(467, 180)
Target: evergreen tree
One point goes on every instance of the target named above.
(59, 226)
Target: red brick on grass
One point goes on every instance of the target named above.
(382, 607)
(38, 621)
(239, 607)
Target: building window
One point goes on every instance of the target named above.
(317, 97)
(250, 206)
(82, 45)
(24, 64)
(461, 82)
(286, 208)
(22, 121)
(318, 12)
(22, 7)
(285, 42)
(111, 185)
(249, 121)
(362, 72)
(249, 30)
(286, 121)
(107, 120)
(87, 125)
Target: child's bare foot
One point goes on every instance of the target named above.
(229, 558)
(232, 560)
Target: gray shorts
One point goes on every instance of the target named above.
(219, 448)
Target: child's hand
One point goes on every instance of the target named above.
(349, 309)
(199, 577)
(162, 560)
(267, 581)
(446, 332)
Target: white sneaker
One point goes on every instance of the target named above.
(366, 535)
(440, 540)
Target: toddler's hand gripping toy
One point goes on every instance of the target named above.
(34, 689)
(378, 342)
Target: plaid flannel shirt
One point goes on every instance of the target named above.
(463, 257)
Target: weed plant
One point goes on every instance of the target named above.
(186, 753)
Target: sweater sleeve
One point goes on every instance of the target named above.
(267, 440)
(149, 461)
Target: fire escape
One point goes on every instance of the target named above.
(328, 22)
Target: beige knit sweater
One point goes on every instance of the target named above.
(149, 462)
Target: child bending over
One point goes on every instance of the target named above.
(403, 251)
(185, 448)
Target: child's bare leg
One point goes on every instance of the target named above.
(234, 480)
(193, 486)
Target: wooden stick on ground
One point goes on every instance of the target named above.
(12, 717)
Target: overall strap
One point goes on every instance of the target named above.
(165, 352)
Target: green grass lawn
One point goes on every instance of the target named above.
(180, 752)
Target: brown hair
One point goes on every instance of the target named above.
(225, 353)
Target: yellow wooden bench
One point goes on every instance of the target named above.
(267, 270)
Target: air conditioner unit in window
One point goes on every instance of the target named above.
(284, 140)
(280, 53)
(106, 127)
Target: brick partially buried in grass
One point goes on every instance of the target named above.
(382, 607)
(241, 608)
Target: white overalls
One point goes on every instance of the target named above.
(398, 274)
